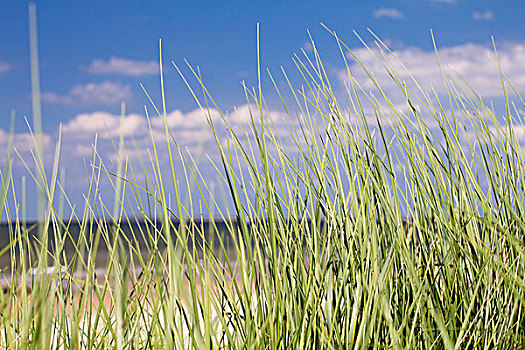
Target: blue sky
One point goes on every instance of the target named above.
(94, 54)
(218, 37)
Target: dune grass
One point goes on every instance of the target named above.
(377, 228)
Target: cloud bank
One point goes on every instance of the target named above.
(123, 66)
(475, 63)
(389, 13)
(91, 94)
(483, 16)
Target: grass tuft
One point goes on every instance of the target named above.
(362, 226)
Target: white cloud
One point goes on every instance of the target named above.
(177, 120)
(388, 12)
(308, 47)
(82, 129)
(241, 74)
(4, 67)
(484, 16)
(189, 129)
(475, 63)
(86, 125)
(123, 66)
(22, 142)
(91, 94)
